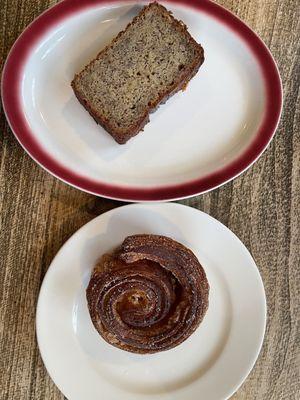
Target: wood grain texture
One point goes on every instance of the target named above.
(38, 213)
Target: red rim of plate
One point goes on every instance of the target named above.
(12, 102)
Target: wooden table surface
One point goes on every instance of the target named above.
(39, 213)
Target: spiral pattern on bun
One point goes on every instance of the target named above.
(149, 295)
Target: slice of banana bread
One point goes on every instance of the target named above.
(153, 58)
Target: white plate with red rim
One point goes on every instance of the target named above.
(213, 362)
(200, 139)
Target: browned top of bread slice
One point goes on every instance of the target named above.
(151, 59)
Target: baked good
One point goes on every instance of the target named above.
(149, 295)
(149, 61)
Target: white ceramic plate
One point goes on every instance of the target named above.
(212, 363)
(200, 139)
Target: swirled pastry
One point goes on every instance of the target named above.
(149, 295)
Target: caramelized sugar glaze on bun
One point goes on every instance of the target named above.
(149, 295)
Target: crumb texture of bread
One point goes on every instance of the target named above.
(151, 59)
